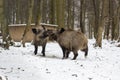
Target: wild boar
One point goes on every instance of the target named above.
(39, 40)
(69, 40)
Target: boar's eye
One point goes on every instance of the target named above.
(34, 31)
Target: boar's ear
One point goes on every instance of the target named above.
(34, 30)
(62, 30)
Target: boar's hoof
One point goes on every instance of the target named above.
(43, 55)
(35, 52)
(73, 59)
(64, 58)
(75, 56)
(85, 55)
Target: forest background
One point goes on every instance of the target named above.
(99, 19)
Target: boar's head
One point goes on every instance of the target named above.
(53, 34)
(39, 37)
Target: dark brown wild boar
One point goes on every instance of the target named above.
(70, 40)
(39, 40)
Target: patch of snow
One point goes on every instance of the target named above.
(19, 63)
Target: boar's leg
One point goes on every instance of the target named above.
(36, 48)
(75, 55)
(43, 49)
(63, 50)
(67, 53)
(86, 51)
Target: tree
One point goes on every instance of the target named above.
(70, 14)
(115, 20)
(96, 13)
(60, 8)
(44, 11)
(27, 28)
(38, 14)
(101, 22)
(4, 22)
(52, 12)
(99, 19)
(82, 15)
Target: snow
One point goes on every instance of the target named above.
(19, 63)
(34, 24)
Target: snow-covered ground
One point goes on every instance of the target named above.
(20, 63)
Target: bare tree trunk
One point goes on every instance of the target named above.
(17, 11)
(52, 12)
(70, 9)
(3, 21)
(114, 20)
(73, 14)
(69, 13)
(104, 13)
(96, 12)
(38, 14)
(82, 15)
(90, 31)
(119, 20)
(44, 11)
(60, 13)
(102, 8)
(27, 28)
(107, 21)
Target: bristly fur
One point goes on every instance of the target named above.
(71, 40)
(39, 39)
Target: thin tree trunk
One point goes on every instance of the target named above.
(96, 12)
(17, 11)
(82, 7)
(73, 14)
(38, 14)
(31, 2)
(60, 13)
(114, 23)
(119, 20)
(101, 22)
(52, 12)
(3, 21)
(90, 31)
(69, 13)
(44, 11)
